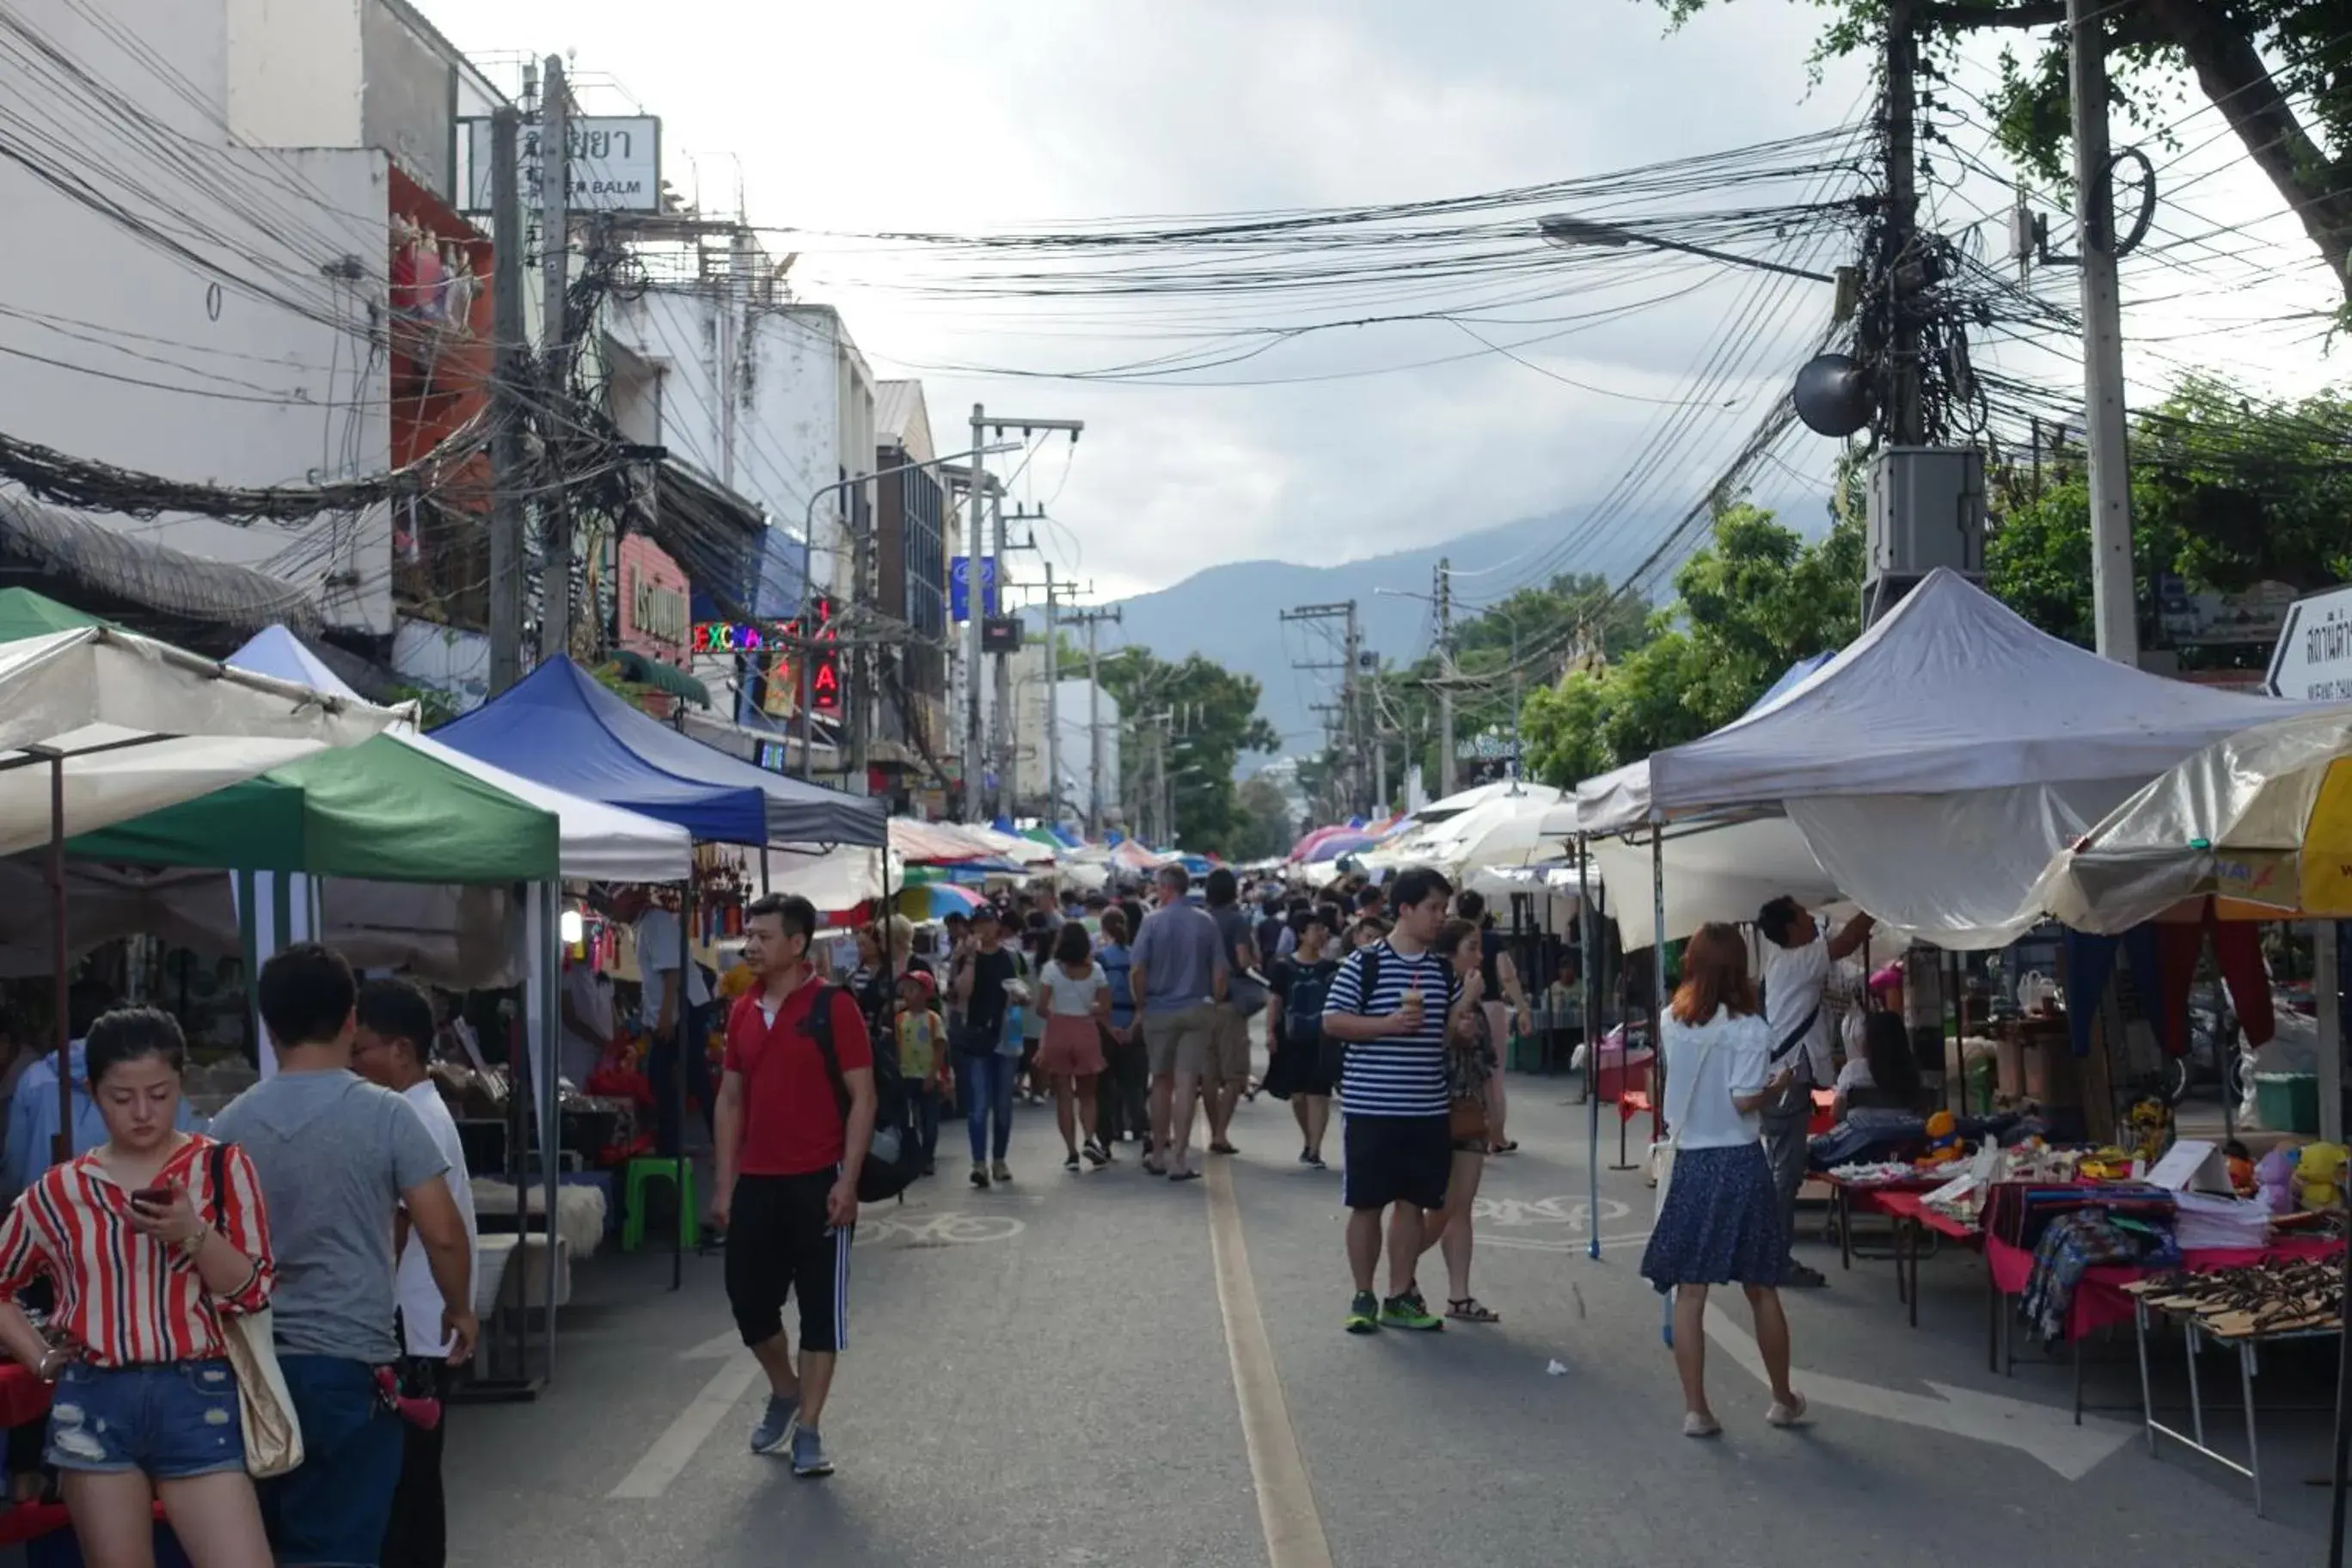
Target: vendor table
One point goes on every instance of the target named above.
(1846, 1197)
(2195, 1335)
(1906, 1207)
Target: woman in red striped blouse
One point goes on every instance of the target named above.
(145, 1257)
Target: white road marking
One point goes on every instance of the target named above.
(675, 1449)
(2044, 1432)
(1285, 1499)
(718, 1347)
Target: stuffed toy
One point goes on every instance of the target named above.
(1943, 1140)
(2149, 1130)
(2240, 1167)
(2274, 1174)
(2319, 1175)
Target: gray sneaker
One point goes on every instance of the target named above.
(808, 1454)
(776, 1427)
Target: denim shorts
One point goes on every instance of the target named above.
(171, 1419)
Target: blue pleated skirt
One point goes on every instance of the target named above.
(1721, 1222)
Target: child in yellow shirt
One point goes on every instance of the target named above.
(923, 1060)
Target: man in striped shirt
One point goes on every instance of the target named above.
(1388, 1004)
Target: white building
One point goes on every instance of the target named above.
(198, 270)
(1075, 720)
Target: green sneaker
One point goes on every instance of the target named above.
(1364, 1313)
(1408, 1312)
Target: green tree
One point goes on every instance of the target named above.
(1213, 719)
(2227, 491)
(1499, 653)
(1749, 602)
(2277, 70)
(1266, 827)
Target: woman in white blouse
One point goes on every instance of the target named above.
(1719, 1222)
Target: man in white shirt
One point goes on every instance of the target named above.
(390, 1047)
(655, 932)
(589, 1025)
(1798, 955)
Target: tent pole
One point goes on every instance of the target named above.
(677, 1075)
(764, 870)
(1658, 980)
(550, 974)
(64, 1029)
(2337, 1480)
(1591, 1050)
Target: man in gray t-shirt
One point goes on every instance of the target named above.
(338, 1157)
(1179, 975)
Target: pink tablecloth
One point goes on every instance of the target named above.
(2100, 1301)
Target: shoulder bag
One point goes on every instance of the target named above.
(273, 1436)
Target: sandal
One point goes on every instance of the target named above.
(1508, 1146)
(1470, 1310)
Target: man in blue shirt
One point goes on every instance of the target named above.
(1179, 977)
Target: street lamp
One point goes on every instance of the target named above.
(808, 544)
(1567, 230)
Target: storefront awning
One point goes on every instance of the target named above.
(662, 677)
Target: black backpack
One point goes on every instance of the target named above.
(1269, 938)
(894, 1159)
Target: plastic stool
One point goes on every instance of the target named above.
(679, 1174)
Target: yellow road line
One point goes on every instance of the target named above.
(1285, 1499)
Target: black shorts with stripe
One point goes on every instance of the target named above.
(779, 1243)
(1397, 1159)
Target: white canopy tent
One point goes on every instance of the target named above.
(1501, 829)
(1712, 871)
(834, 878)
(2259, 821)
(133, 725)
(1935, 763)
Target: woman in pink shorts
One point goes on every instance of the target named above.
(1074, 995)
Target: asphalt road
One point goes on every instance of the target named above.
(1047, 1376)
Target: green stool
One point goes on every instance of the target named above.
(679, 1174)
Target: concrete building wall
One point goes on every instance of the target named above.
(246, 365)
(296, 71)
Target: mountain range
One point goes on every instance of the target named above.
(1233, 612)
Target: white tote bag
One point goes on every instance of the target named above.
(273, 1438)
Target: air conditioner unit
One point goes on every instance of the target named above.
(1927, 510)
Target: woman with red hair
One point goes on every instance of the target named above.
(1718, 1219)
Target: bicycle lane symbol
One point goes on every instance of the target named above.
(1520, 1223)
(937, 1230)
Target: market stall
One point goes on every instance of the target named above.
(561, 728)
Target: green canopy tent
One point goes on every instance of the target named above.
(379, 811)
(24, 613)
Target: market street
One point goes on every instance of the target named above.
(1043, 1376)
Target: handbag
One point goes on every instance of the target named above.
(273, 1436)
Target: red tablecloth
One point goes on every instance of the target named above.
(2100, 1301)
(23, 1397)
(1903, 1203)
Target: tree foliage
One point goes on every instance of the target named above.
(2227, 491)
(1213, 719)
(1266, 827)
(1753, 600)
(2278, 71)
(1501, 652)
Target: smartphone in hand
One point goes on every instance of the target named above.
(152, 1198)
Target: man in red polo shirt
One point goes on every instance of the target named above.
(790, 1140)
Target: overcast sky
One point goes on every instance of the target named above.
(923, 114)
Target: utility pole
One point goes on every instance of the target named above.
(555, 279)
(975, 760)
(1445, 677)
(1053, 710)
(1344, 727)
(512, 365)
(1355, 699)
(981, 423)
(1906, 424)
(1092, 620)
(1000, 727)
(2113, 598)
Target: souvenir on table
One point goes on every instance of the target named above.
(2319, 1175)
(2149, 1129)
(2274, 1177)
(1943, 1140)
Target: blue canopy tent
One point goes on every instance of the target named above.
(558, 726)
(561, 727)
